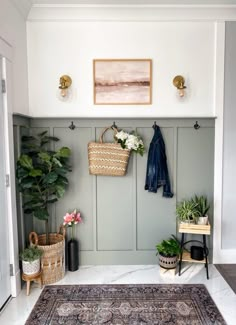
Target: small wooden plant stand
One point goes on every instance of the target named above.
(37, 277)
(203, 230)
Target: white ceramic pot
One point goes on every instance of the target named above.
(30, 268)
(203, 220)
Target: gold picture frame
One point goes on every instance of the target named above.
(122, 81)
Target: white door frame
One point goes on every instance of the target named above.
(6, 52)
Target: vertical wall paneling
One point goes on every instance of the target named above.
(195, 161)
(122, 222)
(115, 207)
(155, 214)
(79, 194)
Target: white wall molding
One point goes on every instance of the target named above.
(144, 13)
(219, 255)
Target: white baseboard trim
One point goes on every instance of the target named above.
(224, 256)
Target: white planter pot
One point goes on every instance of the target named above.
(202, 220)
(168, 262)
(30, 268)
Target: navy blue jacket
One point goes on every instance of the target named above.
(157, 171)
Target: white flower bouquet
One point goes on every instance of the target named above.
(130, 141)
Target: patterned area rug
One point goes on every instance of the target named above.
(125, 305)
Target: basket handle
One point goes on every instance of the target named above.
(105, 130)
(33, 239)
(62, 230)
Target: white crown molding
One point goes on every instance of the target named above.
(23, 6)
(75, 12)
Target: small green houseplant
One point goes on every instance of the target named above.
(31, 260)
(202, 208)
(41, 173)
(168, 251)
(187, 211)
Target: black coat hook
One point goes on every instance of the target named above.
(114, 125)
(154, 124)
(196, 126)
(72, 126)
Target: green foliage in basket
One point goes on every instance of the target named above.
(202, 205)
(31, 254)
(169, 248)
(187, 211)
(41, 173)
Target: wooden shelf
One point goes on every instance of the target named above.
(186, 258)
(195, 229)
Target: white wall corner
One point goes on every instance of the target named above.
(23, 6)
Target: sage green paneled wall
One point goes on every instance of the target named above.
(121, 221)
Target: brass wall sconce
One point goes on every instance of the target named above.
(178, 82)
(65, 83)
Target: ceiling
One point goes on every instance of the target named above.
(24, 6)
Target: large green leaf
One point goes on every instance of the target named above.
(26, 183)
(21, 172)
(50, 178)
(60, 190)
(41, 214)
(44, 156)
(25, 161)
(25, 138)
(35, 172)
(63, 152)
(56, 162)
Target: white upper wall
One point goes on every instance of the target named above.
(13, 31)
(69, 47)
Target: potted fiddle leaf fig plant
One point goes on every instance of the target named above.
(41, 173)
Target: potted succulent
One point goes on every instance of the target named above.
(31, 260)
(202, 208)
(41, 173)
(187, 211)
(168, 251)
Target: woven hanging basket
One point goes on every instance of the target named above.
(107, 159)
(53, 258)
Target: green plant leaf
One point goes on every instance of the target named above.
(35, 172)
(44, 156)
(60, 190)
(21, 172)
(41, 214)
(63, 152)
(26, 183)
(50, 178)
(42, 134)
(26, 162)
(26, 138)
(56, 162)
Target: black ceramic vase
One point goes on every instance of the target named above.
(73, 255)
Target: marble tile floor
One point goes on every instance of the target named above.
(18, 309)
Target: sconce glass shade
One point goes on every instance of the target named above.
(64, 87)
(178, 82)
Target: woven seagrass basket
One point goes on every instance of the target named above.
(107, 159)
(53, 258)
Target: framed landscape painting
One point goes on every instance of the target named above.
(121, 81)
